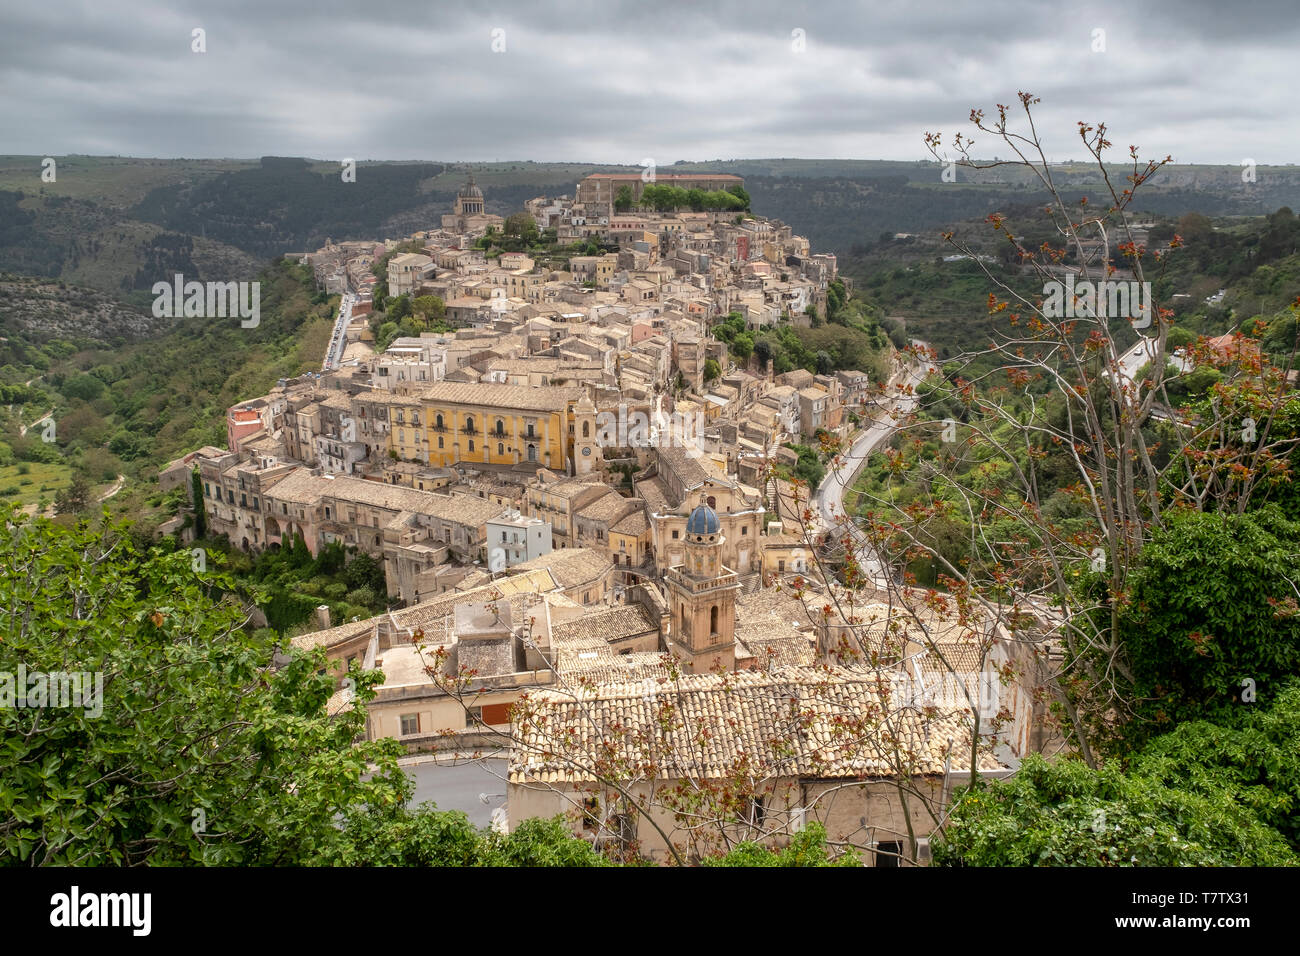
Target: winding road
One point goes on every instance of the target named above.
(899, 400)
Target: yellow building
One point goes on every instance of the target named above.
(448, 422)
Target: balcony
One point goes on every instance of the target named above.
(695, 587)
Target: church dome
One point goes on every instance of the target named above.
(470, 190)
(703, 520)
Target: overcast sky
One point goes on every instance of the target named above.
(1205, 81)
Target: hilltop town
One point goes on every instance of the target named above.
(576, 492)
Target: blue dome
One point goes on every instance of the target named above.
(703, 520)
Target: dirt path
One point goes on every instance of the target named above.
(117, 486)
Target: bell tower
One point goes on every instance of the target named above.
(587, 456)
(702, 598)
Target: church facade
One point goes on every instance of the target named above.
(469, 212)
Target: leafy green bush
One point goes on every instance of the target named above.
(1202, 795)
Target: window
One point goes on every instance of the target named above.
(439, 441)
(590, 813)
(503, 535)
(780, 565)
(469, 424)
(501, 448)
(757, 810)
(471, 444)
(410, 724)
(745, 529)
(624, 824)
(888, 853)
(501, 427)
(675, 535)
(439, 424)
(713, 621)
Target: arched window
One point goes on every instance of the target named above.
(501, 448)
(713, 502)
(439, 441)
(501, 426)
(469, 424)
(439, 425)
(713, 619)
(586, 429)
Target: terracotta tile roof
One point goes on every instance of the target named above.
(655, 494)
(607, 667)
(794, 722)
(433, 616)
(607, 626)
(607, 508)
(520, 397)
(570, 567)
(634, 524)
(302, 487)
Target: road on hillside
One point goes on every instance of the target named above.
(1142, 352)
(829, 499)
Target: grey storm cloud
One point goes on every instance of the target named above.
(623, 81)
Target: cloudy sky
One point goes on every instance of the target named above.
(605, 81)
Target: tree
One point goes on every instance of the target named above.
(1212, 610)
(363, 571)
(523, 225)
(193, 747)
(399, 308)
(712, 371)
(432, 308)
(1203, 795)
(75, 498)
(1049, 410)
(623, 201)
